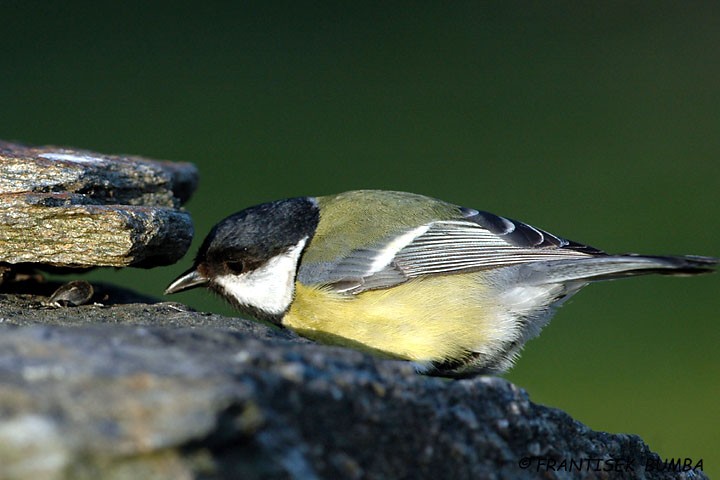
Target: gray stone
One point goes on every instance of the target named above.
(107, 179)
(66, 230)
(156, 391)
(79, 209)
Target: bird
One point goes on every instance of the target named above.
(453, 290)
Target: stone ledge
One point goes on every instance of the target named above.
(108, 179)
(72, 208)
(158, 391)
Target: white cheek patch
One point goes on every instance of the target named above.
(269, 288)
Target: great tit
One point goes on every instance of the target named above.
(455, 290)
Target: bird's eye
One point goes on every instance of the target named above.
(235, 266)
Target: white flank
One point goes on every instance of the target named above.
(386, 255)
(521, 299)
(269, 288)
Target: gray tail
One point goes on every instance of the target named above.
(616, 266)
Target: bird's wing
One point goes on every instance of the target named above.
(478, 241)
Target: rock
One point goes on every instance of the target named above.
(79, 209)
(107, 179)
(156, 391)
(65, 230)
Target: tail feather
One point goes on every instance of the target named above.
(608, 267)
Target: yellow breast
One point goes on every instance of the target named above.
(426, 319)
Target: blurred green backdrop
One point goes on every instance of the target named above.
(597, 121)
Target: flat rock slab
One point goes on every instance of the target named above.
(61, 207)
(156, 391)
(66, 230)
(107, 179)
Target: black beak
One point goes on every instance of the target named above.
(190, 279)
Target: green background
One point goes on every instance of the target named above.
(597, 121)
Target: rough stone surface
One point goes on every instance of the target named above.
(156, 391)
(74, 208)
(107, 179)
(66, 230)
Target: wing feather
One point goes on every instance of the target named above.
(479, 241)
(452, 246)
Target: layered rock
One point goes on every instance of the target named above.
(77, 209)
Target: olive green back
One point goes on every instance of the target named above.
(363, 218)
